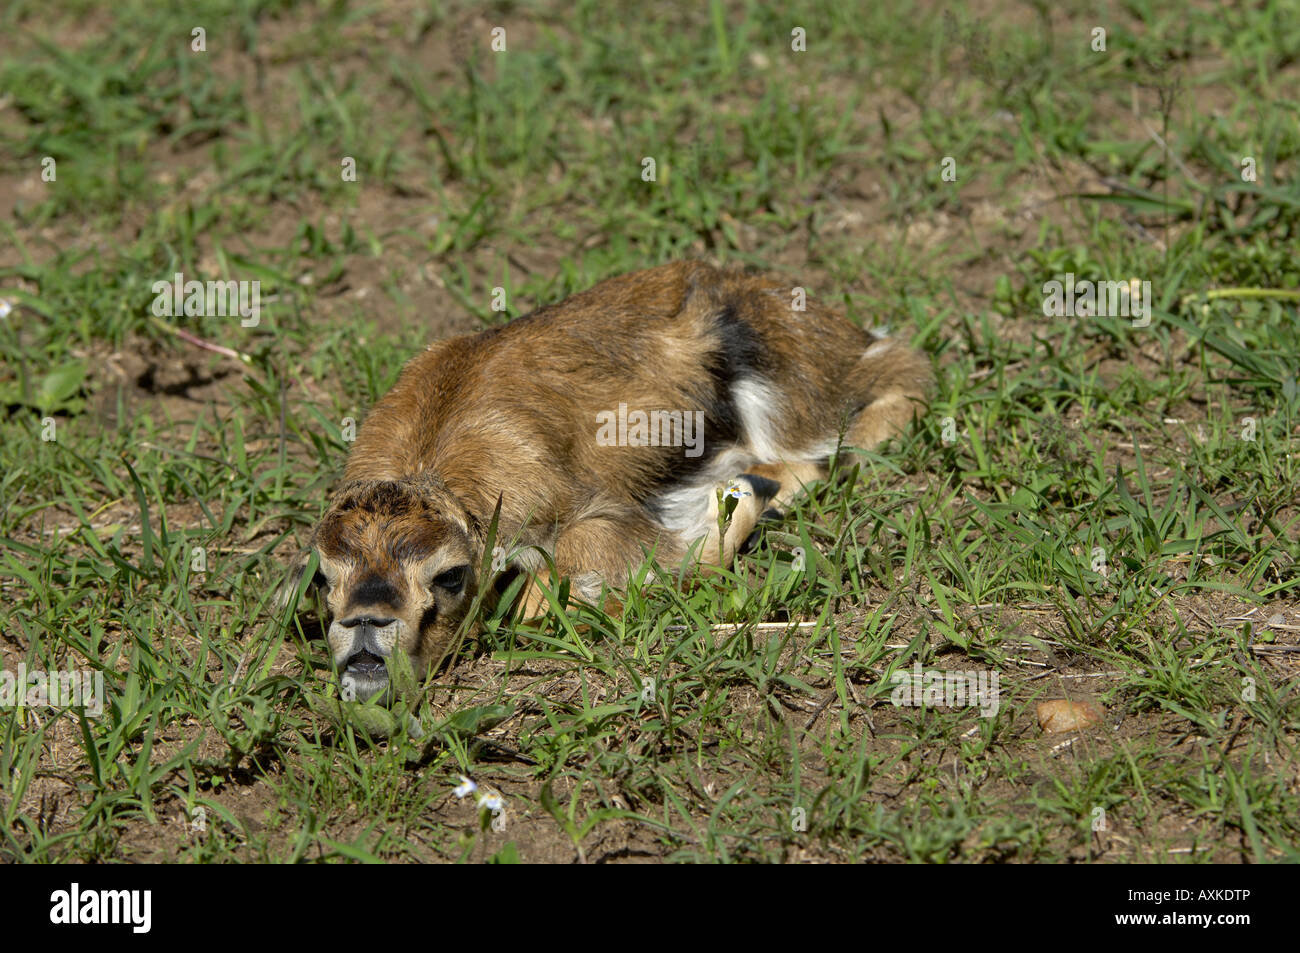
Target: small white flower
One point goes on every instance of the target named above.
(491, 802)
(5, 308)
(736, 491)
(465, 788)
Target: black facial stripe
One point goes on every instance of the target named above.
(375, 590)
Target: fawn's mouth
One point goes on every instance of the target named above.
(364, 674)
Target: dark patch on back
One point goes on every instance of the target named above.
(740, 353)
(737, 353)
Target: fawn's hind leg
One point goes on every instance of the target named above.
(894, 380)
(595, 551)
(792, 478)
(754, 492)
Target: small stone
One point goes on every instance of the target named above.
(1060, 715)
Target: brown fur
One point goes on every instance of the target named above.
(510, 414)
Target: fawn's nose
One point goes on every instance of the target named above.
(373, 621)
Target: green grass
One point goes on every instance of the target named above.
(1089, 508)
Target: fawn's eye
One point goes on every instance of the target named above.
(453, 580)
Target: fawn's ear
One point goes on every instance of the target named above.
(302, 584)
